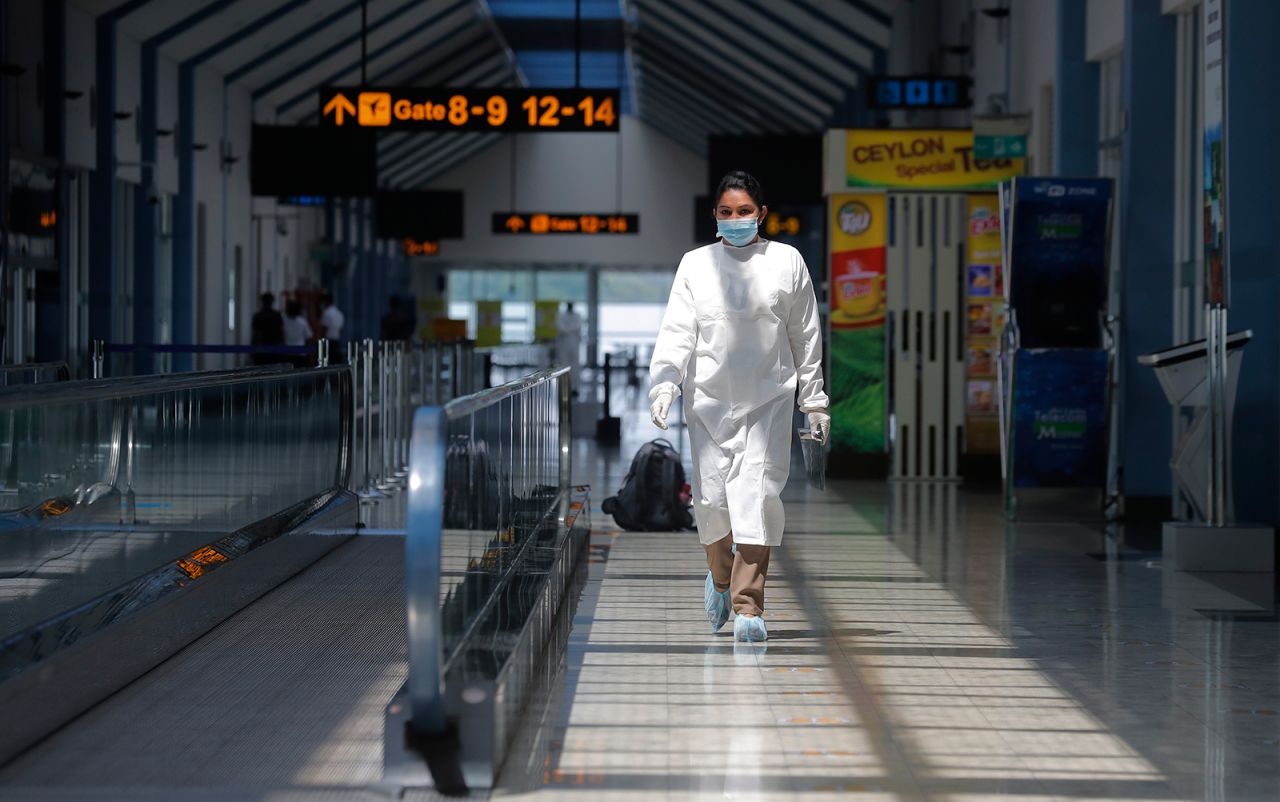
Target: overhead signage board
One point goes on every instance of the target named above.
(416, 247)
(920, 92)
(564, 223)
(426, 109)
(1001, 137)
(296, 160)
(419, 214)
(941, 159)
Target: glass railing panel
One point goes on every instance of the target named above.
(487, 489)
(34, 373)
(104, 481)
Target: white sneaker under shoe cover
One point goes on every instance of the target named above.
(750, 628)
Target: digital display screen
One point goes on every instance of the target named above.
(920, 92)
(564, 223)
(418, 215)
(300, 160)
(413, 108)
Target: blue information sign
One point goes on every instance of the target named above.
(1059, 418)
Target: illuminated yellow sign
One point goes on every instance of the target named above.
(414, 247)
(922, 159)
(775, 224)
(549, 223)
(412, 108)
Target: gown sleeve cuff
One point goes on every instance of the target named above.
(665, 388)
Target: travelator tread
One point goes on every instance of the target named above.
(285, 698)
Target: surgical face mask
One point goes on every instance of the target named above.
(738, 232)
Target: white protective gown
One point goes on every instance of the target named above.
(740, 334)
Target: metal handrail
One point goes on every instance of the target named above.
(123, 389)
(423, 556)
(60, 368)
(22, 396)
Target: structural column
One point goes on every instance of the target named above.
(1146, 194)
(1253, 236)
(1075, 101)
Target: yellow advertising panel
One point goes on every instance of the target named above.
(858, 234)
(984, 277)
(922, 159)
(488, 323)
(545, 314)
(859, 228)
(429, 309)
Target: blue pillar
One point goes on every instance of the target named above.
(184, 221)
(1075, 96)
(102, 185)
(53, 307)
(144, 226)
(1146, 256)
(1253, 220)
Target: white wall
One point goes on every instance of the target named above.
(577, 173)
(25, 43)
(128, 99)
(1032, 66)
(1105, 29)
(166, 172)
(80, 57)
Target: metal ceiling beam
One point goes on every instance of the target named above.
(784, 40)
(331, 51)
(734, 98)
(663, 119)
(826, 39)
(698, 40)
(266, 19)
(288, 44)
(714, 115)
(854, 20)
(752, 44)
(407, 37)
(448, 157)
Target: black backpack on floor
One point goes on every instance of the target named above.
(654, 496)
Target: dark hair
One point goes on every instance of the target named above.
(293, 307)
(267, 300)
(326, 299)
(740, 179)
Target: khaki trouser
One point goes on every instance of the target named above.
(743, 574)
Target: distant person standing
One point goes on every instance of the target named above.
(297, 331)
(331, 322)
(267, 329)
(569, 342)
(398, 322)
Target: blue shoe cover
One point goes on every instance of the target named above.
(750, 628)
(716, 604)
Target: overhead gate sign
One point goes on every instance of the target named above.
(426, 109)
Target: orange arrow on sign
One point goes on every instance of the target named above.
(515, 222)
(337, 106)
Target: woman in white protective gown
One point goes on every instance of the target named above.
(740, 336)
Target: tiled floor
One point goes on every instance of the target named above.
(921, 648)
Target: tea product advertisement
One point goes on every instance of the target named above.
(859, 229)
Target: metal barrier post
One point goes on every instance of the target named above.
(367, 395)
(98, 353)
(402, 410)
(322, 353)
(455, 370)
(437, 367)
(382, 415)
(564, 385)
